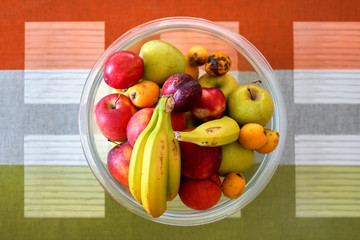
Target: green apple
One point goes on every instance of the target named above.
(226, 83)
(235, 158)
(161, 60)
(250, 104)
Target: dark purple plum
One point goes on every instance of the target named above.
(185, 90)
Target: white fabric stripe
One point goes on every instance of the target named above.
(327, 191)
(62, 191)
(53, 150)
(327, 150)
(53, 86)
(327, 86)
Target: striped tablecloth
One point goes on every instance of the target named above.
(47, 48)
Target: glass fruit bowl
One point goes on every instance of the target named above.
(247, 65)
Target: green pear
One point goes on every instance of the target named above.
(161, 60)
(226, 83)
(235, 158)
(250, 104)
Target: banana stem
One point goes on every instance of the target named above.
(170, 104)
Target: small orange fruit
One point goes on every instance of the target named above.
(192, 70)
(197, 56)
(144, 94)
(252, 136)
(233, 185)
(217, 64)
(273, 140)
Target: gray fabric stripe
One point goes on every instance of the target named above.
(12, 117)
(17, 119)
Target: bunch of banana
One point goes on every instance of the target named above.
(212, 133)
(155, 165)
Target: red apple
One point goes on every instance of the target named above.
(198, 162)
(118, 161)
(141, 118)
(186, 91)
(112, 114)
(137, 124)
(211, 106)
(178, 121)
(200, 194)
(123, 69)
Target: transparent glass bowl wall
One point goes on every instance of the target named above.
(183, 32)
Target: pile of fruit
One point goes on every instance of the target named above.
(176, 133)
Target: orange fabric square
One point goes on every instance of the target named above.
(63, 45)
(326, 45)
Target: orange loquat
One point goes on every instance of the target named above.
(144, 94)
(273, 140)
(233, 185)
(252, 136)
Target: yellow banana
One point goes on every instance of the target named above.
(155, 168)
(174, 162)
(212, 133)
(136, 161)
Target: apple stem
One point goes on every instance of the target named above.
(117, 99)
(216, 184)
(116, 143)
(253, 82)
(251, 96)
